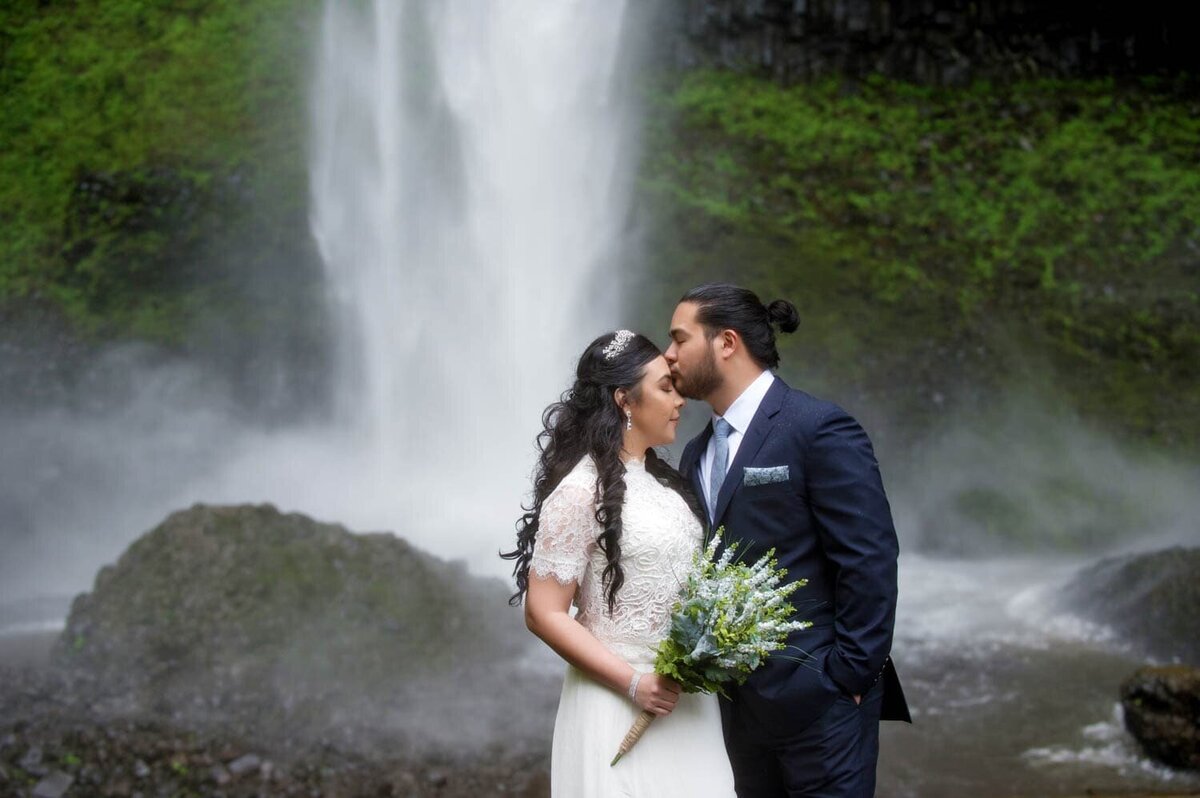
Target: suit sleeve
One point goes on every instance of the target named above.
(854, 522)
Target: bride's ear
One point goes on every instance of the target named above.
(621, 397)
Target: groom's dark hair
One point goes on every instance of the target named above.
(723, 306)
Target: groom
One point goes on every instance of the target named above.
(779, 468)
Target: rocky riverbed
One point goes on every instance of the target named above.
(54, 742)
(236, 651)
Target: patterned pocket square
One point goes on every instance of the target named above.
(764, 476)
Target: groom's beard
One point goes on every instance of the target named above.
(702, 382)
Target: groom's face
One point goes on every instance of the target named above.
(690, 355)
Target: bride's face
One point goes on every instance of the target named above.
(657, 405)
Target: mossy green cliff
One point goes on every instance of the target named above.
(153, 173)
(935, 238)
(944, 244)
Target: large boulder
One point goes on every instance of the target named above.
(1149, 599)
(282, 625)
(1162, 711)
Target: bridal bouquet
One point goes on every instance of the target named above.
(729, 617)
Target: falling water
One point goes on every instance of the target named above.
(469, 168)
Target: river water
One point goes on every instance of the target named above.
(1010, 697)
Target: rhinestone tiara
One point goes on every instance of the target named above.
(617, 345)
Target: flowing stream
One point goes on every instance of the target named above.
(1010, 696)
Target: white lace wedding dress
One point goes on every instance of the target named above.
(682, 754)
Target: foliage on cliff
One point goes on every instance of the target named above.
(152, 157)
(931, 234)
(152, 184)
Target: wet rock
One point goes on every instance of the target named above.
(403, 783)
(244, 764)
(90, 774)
(275, 624)
(31, 762)
(1149, 599)
(1162, 711)
(180, 762)
(221, 775)
(54, 785)
(119, 788)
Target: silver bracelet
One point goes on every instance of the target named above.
(633, 683)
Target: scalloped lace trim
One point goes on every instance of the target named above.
(659, 537)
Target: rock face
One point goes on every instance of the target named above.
(1149, 599)
(1162, 711)
(281, 625)
(936, 41)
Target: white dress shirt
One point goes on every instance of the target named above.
(739, 415)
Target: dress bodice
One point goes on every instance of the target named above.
(658, 539)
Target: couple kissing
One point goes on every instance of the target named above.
(612, 529)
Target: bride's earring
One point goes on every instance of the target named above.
(628, 419)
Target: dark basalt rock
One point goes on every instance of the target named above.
(1162, 711)
(930, 41)
(1149, 599)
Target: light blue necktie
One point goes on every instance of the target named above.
(721, 430)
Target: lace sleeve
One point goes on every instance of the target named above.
(567, 533)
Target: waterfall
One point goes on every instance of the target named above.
(471, 166)
(470, 169)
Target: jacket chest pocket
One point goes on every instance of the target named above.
(774, 509)
(779, 495)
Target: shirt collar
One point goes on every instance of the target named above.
(741, 412)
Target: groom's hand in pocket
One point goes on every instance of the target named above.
(657, 694)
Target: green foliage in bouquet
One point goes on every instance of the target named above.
(729, 617)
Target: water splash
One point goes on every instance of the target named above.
(470, 179)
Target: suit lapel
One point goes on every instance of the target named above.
(752, 441)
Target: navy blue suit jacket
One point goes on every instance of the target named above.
(829, 522)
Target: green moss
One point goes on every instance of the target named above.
(207, 89)
(908, 218)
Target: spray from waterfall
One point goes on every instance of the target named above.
(471, 168)
(470, 178)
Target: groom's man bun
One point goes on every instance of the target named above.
(723, 306)
(784, 315)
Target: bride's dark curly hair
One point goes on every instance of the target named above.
(587, 420)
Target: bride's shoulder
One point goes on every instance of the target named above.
(573, 499)
(580, 481)
(584, 468)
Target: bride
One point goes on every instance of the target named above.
(612, 529)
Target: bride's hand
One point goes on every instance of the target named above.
(657, 694)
